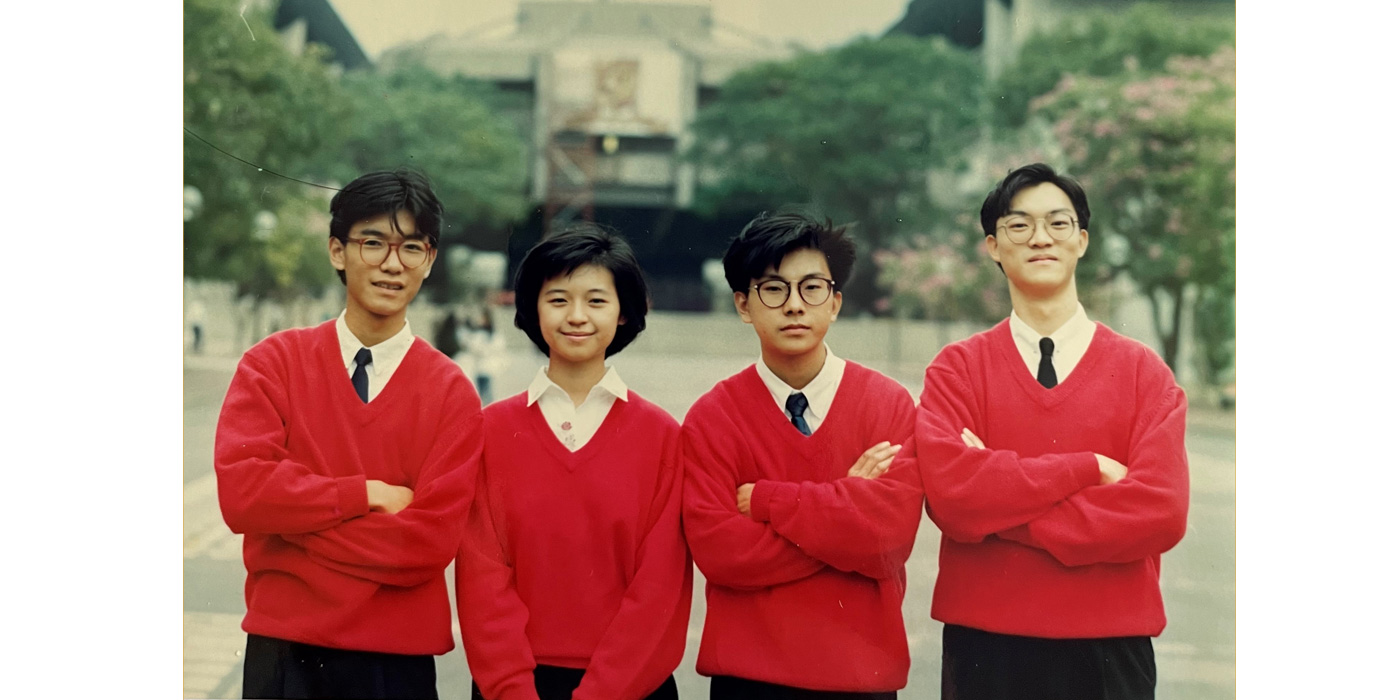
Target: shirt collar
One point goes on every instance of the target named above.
(611, 383)
(1029, 340)
(383, 357)
(815, 391)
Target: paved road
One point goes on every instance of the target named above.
(1195, 656)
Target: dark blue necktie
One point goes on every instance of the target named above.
(360, 379)
(796, 406)
(1046, 375)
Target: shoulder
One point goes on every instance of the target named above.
(873, 381)
(645, 411)
(722, 402)
(288, 346)
(1134, 354)
(975, 349)
(507, 411)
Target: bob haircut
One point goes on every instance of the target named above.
(387, 192)
(576, 246)
(769, 238)
(998, 201)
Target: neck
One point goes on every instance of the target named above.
(576, 379)
(1045, 314)
(372, 330)
(796, 371)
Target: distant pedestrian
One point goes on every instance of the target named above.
(796, 508)
(573, 580)
(196, 320)
(1053, 454)
(346, 456)
(445, 338)
(487, 349)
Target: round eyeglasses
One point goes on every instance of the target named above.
(812, 290)
(1019, 229)
(375, 251)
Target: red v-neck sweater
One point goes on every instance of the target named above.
(293, 450)
(807, 592)
(576, 559)
(1032, 544)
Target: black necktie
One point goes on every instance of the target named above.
(360, 379)
(1046, 375)
(796, 406)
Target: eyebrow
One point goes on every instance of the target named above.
(415, 236)
(1061, 210)
(561, 290)
(776, 278)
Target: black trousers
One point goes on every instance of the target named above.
(277, 668)
(732, 688)
(558, 683)
(980, 665)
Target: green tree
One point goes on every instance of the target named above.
(1156, 152)
(1102, 44)
(852, 132)
(247, 95)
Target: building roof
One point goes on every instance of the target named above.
(324, 27)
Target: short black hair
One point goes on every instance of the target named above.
(387, 192)
(769, 238)
(578, 245)
(998, 201)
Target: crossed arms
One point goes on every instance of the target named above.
(1082, 508)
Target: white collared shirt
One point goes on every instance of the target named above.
(575, 425)
(1071, 342)
(384, 357)
(820, 392)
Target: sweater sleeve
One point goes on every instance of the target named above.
(645, 641)
(866, 526)
(489, 608)
(417, 543)
(1143, 514)
(261, 490)
(971, 492)
(730, 548)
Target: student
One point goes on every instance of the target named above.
(793, 511)
(346, 456)
(573, 580)
(1053, 454)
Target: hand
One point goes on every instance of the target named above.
(387, 498)
(745, 495)
(971, 440)
(1110, 470)
(875, 461)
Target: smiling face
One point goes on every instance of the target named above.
(1042, 267)
(791, 334)
(377, 296)
(579, 315)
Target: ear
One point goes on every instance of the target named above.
(741, 304)
(835, 305)
(1083, 241)
(992, 249)
(337, 251)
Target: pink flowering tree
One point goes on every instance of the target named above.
(1156, 153)
(942, 275)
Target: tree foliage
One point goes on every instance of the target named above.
(852, 132)
(1101, 44)
(1156, 152)
(944, 275)
(246, 94)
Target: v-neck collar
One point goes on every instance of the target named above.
(779, 425)
(573, 459)
(363, 412)
(1049, 398)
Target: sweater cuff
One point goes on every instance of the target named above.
(761, 500)
(353, 498)
(1085, 471)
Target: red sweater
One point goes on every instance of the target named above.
(1032, 544)
(807, 592)
(576, 559)
(293, 450)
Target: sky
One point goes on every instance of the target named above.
(379, 25)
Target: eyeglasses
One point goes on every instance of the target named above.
(1019, 229)
(375, 251)
(812, 290)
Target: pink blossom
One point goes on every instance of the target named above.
(1154, 252)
